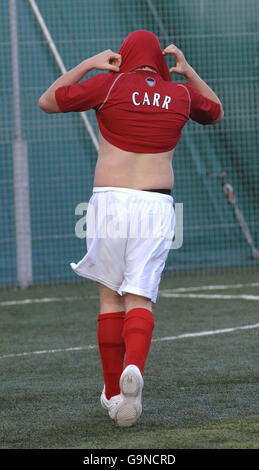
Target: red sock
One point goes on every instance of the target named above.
(112, 350)
(137, 333)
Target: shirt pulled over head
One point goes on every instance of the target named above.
(142, 48)
(139, 111)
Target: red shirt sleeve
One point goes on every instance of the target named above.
(202, 110)
(85, 95)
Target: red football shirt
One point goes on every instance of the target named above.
(138, 111)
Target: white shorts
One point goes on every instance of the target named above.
(129, 235)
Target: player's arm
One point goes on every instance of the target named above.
(183, 68)
(106, 60)
(196, 82)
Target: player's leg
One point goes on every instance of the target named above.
(134, 301)
(145, 259)
(110, 300)
(138, 329)
(137, 334)
(110, 340)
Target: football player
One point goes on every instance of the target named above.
(130, 219)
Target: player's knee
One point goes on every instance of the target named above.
(110, 300)
(136, 301)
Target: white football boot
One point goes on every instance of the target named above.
(129, 409)
(110, 404)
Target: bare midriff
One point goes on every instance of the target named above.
(119, 168)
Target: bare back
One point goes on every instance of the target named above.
(116, 167)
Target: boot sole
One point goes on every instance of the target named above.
(130, 408)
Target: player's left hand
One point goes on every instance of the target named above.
(181, 66)
(107, 60)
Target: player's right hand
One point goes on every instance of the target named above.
(181, 66)
(107, 60)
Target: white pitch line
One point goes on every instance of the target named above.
(43, 300)
(48, 351)
(212, 287)
(162, 293)
(169, 294)
(207, 333)
(166, 338)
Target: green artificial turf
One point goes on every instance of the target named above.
(200, 392)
